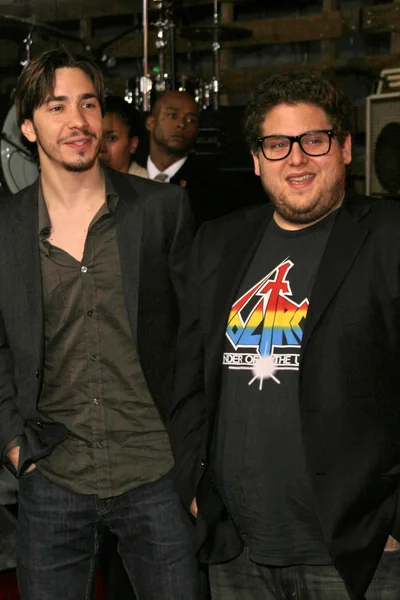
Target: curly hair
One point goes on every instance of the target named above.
(36, 81)
(296, 88)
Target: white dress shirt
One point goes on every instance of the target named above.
(170, 172)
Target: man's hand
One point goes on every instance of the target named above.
(193, 508)
(13, 456)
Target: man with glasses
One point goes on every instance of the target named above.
(286, 420)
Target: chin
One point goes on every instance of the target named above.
(79, 167)
(177, 151)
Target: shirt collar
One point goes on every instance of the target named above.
(44, 222)
(43, 215)
(171, 171)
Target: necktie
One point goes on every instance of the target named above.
(161, 177)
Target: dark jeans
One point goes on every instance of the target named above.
(241, 579)
(58, 541)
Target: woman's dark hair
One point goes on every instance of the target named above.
(296, 88)
(126, 112)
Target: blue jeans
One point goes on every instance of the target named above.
(241, 579)
(58, 541)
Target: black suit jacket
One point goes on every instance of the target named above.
(207, 187)
(349, 381)
(154, 232)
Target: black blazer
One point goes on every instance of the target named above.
(349, 381)
(154, 232)
(207, 187)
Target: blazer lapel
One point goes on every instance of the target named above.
(344, 243)
(26, 243)
(129, 226)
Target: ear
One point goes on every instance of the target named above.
(256, 162)
(150, 121)
(28, 130)
(346, 150)
(134, 143)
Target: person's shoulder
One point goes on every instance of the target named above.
(234, 221)
(9, 202)
(143, 185)
(379, 208)
(136, 169)
(381, 217)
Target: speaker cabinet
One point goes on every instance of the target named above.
(383, 145)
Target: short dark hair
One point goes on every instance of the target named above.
(36, 81)
(126, 112)
(296, 88)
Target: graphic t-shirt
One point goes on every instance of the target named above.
(259, 457)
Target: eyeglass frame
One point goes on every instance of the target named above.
(297, 138)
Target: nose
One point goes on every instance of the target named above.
(181, 122)
(297, 156)
(77, 118)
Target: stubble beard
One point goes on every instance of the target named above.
(82, 164)
(164, 144)
(327, 201)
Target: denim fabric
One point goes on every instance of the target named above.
(58, 541)
(241, 579)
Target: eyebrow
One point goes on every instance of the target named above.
(87, 96)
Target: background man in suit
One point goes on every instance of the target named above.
(173, 128)
(286, 419)
(91, 274)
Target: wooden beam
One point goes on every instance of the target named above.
(68, 10)
(318, 26)
(395, 37)
(246, 80)
(374, 18)
(381, 19)
(322, 26)
(328, 47)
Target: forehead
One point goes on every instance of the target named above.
(178, 101)
(68, 80)
(112, 121)
(293, 119)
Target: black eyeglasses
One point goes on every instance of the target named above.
(313, 143)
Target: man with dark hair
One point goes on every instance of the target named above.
(285, 424)
(91, 277)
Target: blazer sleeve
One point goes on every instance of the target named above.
(11, 422)
(187, 418)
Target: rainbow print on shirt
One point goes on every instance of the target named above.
(265, 327)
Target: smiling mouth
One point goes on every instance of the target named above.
(301, 178)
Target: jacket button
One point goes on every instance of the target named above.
(40, 423)
(203, 464)
(37, 373)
